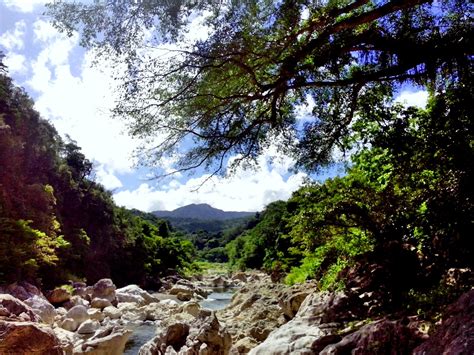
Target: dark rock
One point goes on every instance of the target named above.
(380, 337)
(58, 296)
(17, 309)
(105, 289)
(28, 338)
(455, 335)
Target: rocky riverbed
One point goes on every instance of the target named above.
(262, 317)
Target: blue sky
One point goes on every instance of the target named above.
(76, 97)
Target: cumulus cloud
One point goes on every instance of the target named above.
(23, 5)
(246, 190)
(79, 105)
(14, 39)
(413, 98)
(16, 63)
(108, 179)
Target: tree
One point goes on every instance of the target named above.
(234, 91)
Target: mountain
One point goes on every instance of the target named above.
(202, 212)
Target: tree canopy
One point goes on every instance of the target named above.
(236, 90)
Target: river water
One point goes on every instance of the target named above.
(218, 299)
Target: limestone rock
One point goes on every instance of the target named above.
(17, 309)
(109, 341)
(66, 338)
(100, 303)
(76, 301)
(125, 297)
(88, 327)
(192, 308)
(254, 311)
(112, 312)
(183, 296)
(69, 324)
(95, 314)
(203, 335)
(131, 312)
(134, 292)
(243, 346)
(28, 338)
(78, 314)
(313, 322)
(219, 281)
(239, 276)
(42, 308)
(455, 335)
(291, 298)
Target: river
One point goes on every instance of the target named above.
(219, 298)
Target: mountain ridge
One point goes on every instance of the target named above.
(202, 211)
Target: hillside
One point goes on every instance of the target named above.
(202, 212)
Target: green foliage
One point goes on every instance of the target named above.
(233, 91)
(23, 250)
(56, 224)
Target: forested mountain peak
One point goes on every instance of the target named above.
(202, 211)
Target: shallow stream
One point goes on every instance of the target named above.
(218, 299)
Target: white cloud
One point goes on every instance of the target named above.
(246, 190)
(15, 63)
(80, 105)
(23, 5)
(413, 98)
(109, 180)
(14, 39)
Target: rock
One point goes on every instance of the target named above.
(243, 346)
(66, 338)
(184, 289)
(95, 314)
(69, 324)
(254, 311)
(17, 309)
(135, 291)
(58, 296)
(21, 290)
(112, 312)
(219, 281)
(183, 296)
(455, 335)
(100, 303)
(76, 301)
(131, 312)
(42, 308)
(109, 341)
(203, 335)
(381, 337)
(313, 322)
(192, 308)
(78, 314)
(4, 312)
(125, 297)
(105, 289)
(28, 338)
(290, 298)
(239, 276)
(88, 327)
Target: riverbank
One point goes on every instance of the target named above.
(262, 317)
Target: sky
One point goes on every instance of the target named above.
(76, 97)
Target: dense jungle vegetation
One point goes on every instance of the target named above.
(56, 223)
